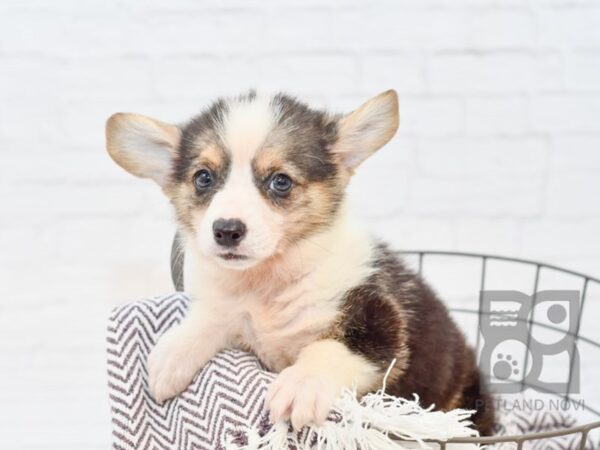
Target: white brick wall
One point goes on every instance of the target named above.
(497, 151)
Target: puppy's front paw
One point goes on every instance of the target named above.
(304, 398)
(171, 367)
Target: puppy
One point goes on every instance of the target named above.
(275, 266)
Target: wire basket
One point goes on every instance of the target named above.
(472, 306)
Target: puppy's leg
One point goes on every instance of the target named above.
(181, 352)
(306, 391)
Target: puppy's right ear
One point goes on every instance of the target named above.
(143, 146)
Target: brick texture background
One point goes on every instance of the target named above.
(498, 151)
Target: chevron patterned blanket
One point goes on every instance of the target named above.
(225, 400)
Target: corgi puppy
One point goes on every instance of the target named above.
(275, 265)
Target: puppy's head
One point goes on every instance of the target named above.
(251, 176)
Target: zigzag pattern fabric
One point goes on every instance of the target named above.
(528, 421)
(226, 397)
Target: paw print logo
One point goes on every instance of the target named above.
(515, 346)
(505, 367)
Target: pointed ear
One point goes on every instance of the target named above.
(365, 130)
(143, 146)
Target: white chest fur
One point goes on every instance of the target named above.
(277, 309)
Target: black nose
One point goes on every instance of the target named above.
(229, 233)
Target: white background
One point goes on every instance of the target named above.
(498, 151)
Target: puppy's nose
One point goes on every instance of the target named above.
(229, 233)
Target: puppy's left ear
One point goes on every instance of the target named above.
(365, 130)
(143, 146)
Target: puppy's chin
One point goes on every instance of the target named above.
(235, 261)
(239, 258)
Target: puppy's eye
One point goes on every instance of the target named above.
(280, 183)
(203, 179)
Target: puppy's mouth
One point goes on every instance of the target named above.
(232, 256)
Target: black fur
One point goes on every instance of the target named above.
(394, 314)
(204, 125)
(309, 136)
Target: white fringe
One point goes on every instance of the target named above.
(376, 422)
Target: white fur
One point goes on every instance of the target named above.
(283, 312)
(182, 350)
(240, 199)
(246, 126)
(305, 391)
(280, 317)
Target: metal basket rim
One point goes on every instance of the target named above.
(499, 258)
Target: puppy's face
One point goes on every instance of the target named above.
(250, 176)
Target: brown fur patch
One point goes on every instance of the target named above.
(269, 160)
(213, 157)
(395, 315)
